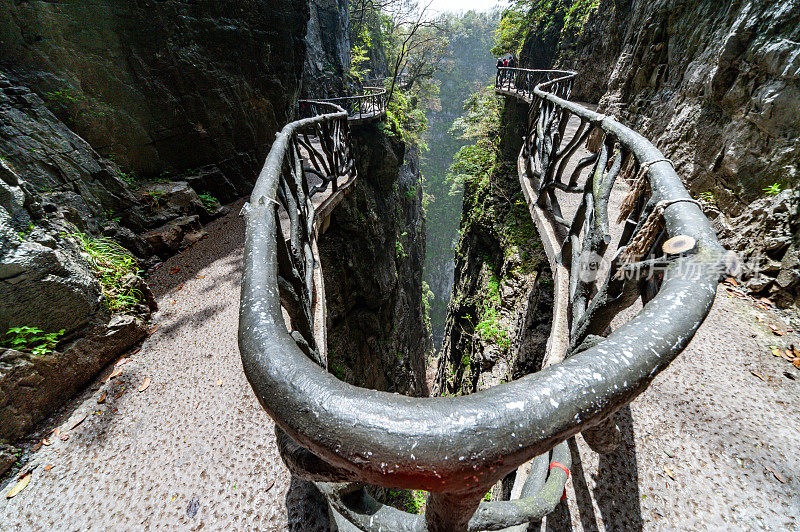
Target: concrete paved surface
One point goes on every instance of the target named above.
(196, 433)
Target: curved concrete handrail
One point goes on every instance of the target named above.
(458, 447)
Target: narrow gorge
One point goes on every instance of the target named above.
(399, 265)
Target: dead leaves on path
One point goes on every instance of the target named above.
(116, 373)
(777, 475)
(790, 354)
(19, 486)
(80, 419)
(735, 290)
(145, 384)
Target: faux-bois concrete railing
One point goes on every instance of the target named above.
(365, 107)
(456, 448)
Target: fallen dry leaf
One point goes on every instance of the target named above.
(102, 398)
(145, 384)
(119, 394)
(669, 473)
(120, 362)
(153, 329)
(758, 375)
(116, 373)
(219, 382)
(64, 437)
(48, 467)
(37, 447)
(24, 481)
(178, 287)
(47, 442)
(26, 471)
(776, 475)
(201, 276)
(78, 421)
(55, 432)
(174, 270)
(776, 352)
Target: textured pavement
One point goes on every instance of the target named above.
(195, 451)
(196, 433)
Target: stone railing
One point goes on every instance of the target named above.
(367, 106)
(456, 448)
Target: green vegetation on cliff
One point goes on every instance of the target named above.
(467, 68)
(113, 266)
(498, 255)
(545, 15)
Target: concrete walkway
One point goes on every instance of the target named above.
(197, 433)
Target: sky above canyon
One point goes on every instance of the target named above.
(463, 5)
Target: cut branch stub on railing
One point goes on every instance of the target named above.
(457, 448)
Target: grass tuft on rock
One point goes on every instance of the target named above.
(210, 203)
(111, 263)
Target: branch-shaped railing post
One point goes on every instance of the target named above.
(456, 448)
(368, 106)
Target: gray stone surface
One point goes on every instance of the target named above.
(140, 458)
(166, 89)
(714, 85)
(32, 386)
(8, 457)
(327, 63)
(164, 86)
(372, 256)
(175, 236)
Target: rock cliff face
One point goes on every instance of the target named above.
(328, 43)
(163, 86)
(185, 97)
(499, 314)
(372, 256)
(716, 86)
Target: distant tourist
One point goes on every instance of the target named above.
(499, 62)
(512, 62)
